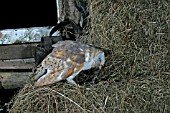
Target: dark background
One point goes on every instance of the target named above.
(27, 13)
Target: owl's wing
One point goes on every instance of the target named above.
(69, 72)
(53, 76)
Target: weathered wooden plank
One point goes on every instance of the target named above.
(17, 64)
(23, 35)
(12, 80)
(17, 51)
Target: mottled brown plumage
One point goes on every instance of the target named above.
(67, 60)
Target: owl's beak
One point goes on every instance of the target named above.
(100, 67)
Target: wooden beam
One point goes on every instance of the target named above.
(17, 51)
(17, 64)
(24, 35)
(12, 80)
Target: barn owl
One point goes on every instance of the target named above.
(66, 61)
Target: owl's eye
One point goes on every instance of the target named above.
(100, 60)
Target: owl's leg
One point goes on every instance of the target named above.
(70, 79)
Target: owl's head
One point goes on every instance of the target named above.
(99, 59)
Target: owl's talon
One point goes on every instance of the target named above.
(71, 81)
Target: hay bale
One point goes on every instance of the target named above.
(136, 76)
